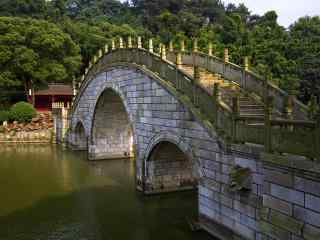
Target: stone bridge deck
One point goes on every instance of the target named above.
(255, 181)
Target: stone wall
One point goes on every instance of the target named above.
(36, 136)
(291, 198)
(283, 202)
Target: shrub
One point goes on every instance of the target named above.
(22, 112)
(4, 116)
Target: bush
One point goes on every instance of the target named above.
(22, 112)
(4, 116)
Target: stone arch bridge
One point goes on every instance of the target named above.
(193, 120)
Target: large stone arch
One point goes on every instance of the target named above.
(111, 134)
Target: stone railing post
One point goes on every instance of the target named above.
(163, 52)
(100, 53)
(179, 60)
(106, 48)
(121, 42)
(267, 124)
(246, 63)
(196, 83)
(160, 49)
(182, 46)
(195, 45)
(216, 98)
(129, 42)
(313, 107)
(266, 79)
(150, 45)
(225, 60)
(235, 115)
(226, 55)
(171, 46)
(210, 50)
(139, 42)
(113, 45)
(288, 107)
(178, 64)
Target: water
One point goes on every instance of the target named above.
(47, 192)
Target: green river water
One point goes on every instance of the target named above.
(47, 192)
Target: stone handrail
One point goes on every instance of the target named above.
(293, 137)
(248, 80)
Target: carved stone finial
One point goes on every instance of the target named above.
(150, 45)
(163, 52)
(182, 46)
(120, 42)
(160, 48)
(246, 63)
(210, 49)
(129, 42)
(170, 46)
(100, 53)
(179, 60)
(195, 45)
(139, 42)
(106, 48)
(226, 55)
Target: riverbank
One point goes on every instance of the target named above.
(39, 130)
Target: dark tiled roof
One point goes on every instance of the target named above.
(56, 89)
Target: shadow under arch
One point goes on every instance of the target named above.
(112, 131)
(170, 165)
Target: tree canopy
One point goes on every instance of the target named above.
(35, 52)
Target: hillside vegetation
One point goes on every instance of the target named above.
(63, 35)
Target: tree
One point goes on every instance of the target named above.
(35, 52)
(34, 8)
(304, 48)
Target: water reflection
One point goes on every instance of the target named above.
(51, 193)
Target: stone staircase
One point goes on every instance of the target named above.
(249, 106)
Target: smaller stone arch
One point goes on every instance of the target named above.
(80, 138)
(170, 165)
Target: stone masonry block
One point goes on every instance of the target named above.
(312, 202)
(307, 186)
(307, 215)
(287, 194)
(311, 232)
(277, 204)
(278, 177)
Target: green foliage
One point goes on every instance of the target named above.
(35, 52)
(22, 112)
(4, 116)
